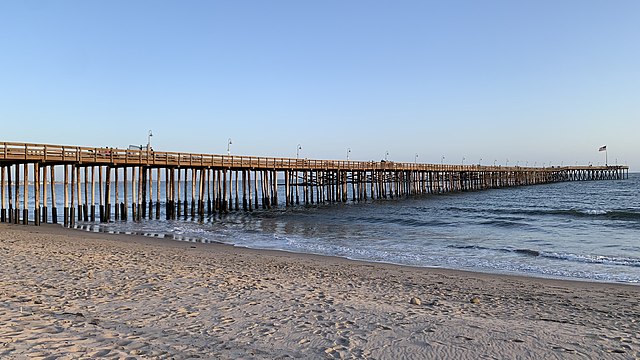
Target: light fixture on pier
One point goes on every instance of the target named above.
(298, 148)
(229, 142)
(442, 160)
(416, 159)
(480, 162)
(463, 158)
(348, 152)
(149, 140)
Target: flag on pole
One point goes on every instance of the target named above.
(603, 148)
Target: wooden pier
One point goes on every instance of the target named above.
(135, 184)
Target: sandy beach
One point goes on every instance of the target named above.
(70, 294)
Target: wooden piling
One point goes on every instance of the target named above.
(167, 197)
(218, 190)
(72, 218)
(244, 190)
(36, 190)
(201, 191)
(85, 207)
(11, 215)
(124, 209)
(255, 187)
(134, 212)
(93, 194)
(78, 192)
(186, 196)
(224, 207)
(311, 185)
(44, 216)
(140, 200)
(3, 210)
(25, 202)
(143, 192)
(193, 193)
(249, 189)
(150, 171)
(305, 186)
(16, 215)
(178, 210)
(158, 194)
(101, 194)
(237, 200)
(107, 194)
(54, 208)
(208, 173)
(117, 207)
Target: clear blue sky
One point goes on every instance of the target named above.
(529, 81)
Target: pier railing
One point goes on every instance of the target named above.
(11, 152)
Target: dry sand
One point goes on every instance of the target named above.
(68, 294)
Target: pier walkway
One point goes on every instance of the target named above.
(132, 184)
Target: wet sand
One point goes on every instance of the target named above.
(69, 294)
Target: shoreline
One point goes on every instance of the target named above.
(73, 293)
(469, 271)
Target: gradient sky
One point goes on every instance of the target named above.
(534, 82)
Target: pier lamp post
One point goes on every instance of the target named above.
(442, 160)
(463, 158)
(149, 140)
(506, 163)
(348, 152)
(494, 162)
(298, 148)
(229, 142)
(480, 162)
(386, 156)
(517, 163)
(416, 159)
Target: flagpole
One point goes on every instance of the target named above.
(606, 154)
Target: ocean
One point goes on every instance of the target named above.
(572, 230)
